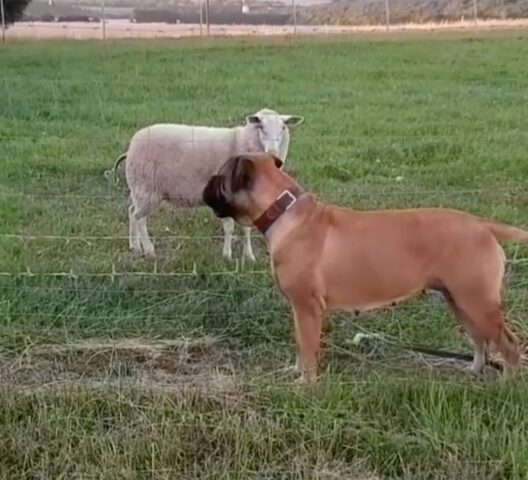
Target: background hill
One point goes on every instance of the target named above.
(350, 12)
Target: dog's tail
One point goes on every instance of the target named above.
(506, 232)
(113, 171)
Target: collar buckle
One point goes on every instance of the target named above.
(292, 199)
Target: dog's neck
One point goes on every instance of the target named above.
(283, 202)
(289, 220)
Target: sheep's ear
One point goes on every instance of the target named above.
(292, 120)
(278, 162)
(242, 173)
(253, 119)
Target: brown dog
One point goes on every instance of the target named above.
(325, 257)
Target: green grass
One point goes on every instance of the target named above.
(421, 121)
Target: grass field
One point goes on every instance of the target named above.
(181, 376)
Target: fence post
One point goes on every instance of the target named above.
(103, 19)
(475, 13)
(387, 15)
(201, 17)
(207, 15)
(294, 13)
(2, 14)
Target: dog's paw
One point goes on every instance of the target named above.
(305, 380)
(302, 380)
(290, 369)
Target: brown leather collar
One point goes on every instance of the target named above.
(282, 203)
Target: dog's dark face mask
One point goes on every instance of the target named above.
(235, 176)
(214, 197)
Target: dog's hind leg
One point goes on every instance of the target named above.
(480, 357)
(481, 314)
(491, 327)
(480, 345)
(508, 344)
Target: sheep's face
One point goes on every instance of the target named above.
(272, 129)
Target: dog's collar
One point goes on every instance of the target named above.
(282, 203)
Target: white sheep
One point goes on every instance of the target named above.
(173, 163)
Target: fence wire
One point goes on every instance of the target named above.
(386, 192)
(107, 20)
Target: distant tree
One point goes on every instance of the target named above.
(14, 10)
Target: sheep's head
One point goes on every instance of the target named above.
(272, 128)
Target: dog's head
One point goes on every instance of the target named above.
(242, 184)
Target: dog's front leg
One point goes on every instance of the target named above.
(308, 318)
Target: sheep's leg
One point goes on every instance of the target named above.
(146, 242)
(229, 228)
(133, 232)
(139, 237)
(248, 249)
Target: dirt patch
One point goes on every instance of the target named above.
(202, 366)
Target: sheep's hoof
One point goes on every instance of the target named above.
(250, 257)
(136, 251)
(248, 254)
(228, 256)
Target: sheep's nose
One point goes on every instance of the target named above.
(272, 151)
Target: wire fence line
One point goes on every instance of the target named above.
(104, 78)
(521, 281)
(237, 271)
(205, 19)
(434, 303)
(77, 238)
(179, 316)
(189, 238)
(113, 274)
(212, 293)
(124, 137)
(353, 192)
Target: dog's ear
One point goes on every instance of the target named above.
(213, 196)
(242, 173)
(278, 162)
(212, 193)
